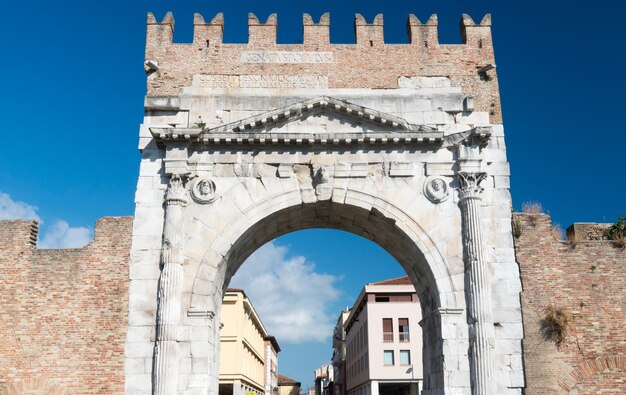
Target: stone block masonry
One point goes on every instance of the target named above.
(63, 313)
(586, 279)
(262, 138)
(369, 63)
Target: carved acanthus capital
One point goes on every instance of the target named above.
(176, 193)
(470, 184)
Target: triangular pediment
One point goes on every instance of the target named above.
(321, 110)
(320, 120)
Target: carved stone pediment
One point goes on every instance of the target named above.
(323, 105)
(320, 120)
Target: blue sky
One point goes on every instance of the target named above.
(73, 89)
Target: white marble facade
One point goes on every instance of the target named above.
(413, 169)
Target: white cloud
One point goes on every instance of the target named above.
(290, 297)
(59, 235)
(62, 235)
(11, 209)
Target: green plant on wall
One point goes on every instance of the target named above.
(617, 232)
(200, 124)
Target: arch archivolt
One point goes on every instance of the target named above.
(285, 211)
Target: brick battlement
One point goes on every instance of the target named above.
(24, 233)
(367, 34)
(584, 278)
(368, 63)
(65, 311)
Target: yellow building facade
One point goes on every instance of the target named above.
(243, 347)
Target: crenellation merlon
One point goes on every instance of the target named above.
(423, 34)
(208, 34)
(369, 35)
(476, 35)
(316, 35)
(159, 35)
(262, 34)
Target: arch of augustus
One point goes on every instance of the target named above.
(402, 144)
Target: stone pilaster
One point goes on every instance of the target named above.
(478, 292)
(166, 348)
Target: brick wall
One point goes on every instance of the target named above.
(63, 312)
(369, 63)
(588, 280)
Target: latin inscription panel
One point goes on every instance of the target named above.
(261, 81)
(286, 57)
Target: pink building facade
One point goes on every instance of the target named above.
(384, 340)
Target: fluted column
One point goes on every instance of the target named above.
(166, 349)
(481, 330)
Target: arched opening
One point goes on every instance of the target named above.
(384, 225)
(305, 286)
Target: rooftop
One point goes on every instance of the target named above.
(284, 380)
(395, 281)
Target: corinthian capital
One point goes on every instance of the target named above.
(470, 184)
(176, 192)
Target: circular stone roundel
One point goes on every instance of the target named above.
(203, 190)
(436, 189)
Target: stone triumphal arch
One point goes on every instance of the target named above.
(399, 143)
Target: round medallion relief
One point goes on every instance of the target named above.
(203, 190)
(436, 189)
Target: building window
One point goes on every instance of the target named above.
(387, 330)
(405, 357)
(403, 330)
(389, 357)
(381, 299)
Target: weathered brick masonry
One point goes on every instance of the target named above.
(63, 312)
(369, 63)
(587, 279)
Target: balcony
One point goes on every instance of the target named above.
(387, 337)
(404, 337)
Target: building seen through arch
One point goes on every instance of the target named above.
(383, 342)
(249, 354)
